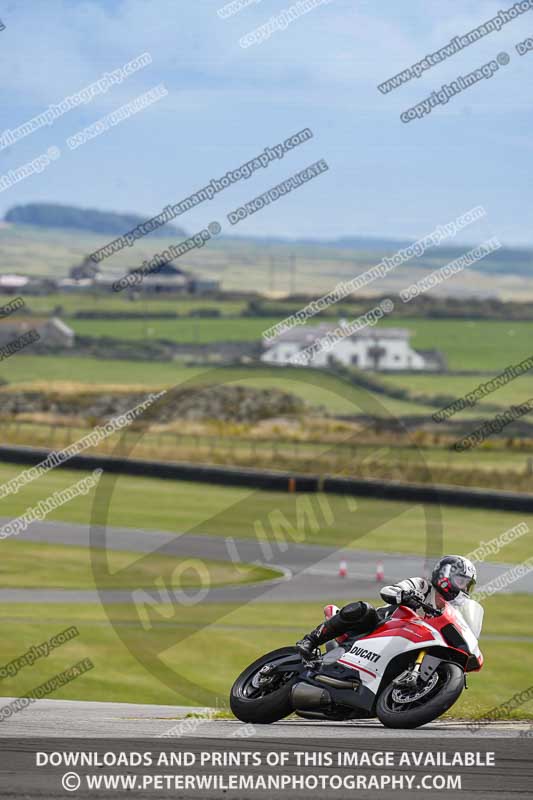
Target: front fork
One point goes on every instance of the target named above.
(410, 676)
(419, 659)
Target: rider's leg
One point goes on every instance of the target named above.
(354, 618)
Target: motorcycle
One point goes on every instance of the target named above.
(406, 672)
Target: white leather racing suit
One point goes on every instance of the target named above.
(469, 609)
(422, 589)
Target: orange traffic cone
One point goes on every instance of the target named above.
(343, 569)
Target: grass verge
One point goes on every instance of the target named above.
(361, 523)
(213, 656)
(32, 565)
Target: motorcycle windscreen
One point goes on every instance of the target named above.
(471, 611)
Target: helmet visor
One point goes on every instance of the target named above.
(462, 581)
(451, 581)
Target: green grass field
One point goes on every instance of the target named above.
(317, 389)
(30, 565)
(183, 331)
(467, 345)
(247, 264)
(212, 657)
(482, 345)
(151, 504)
(71, 302)
(29, 369)
(517, 391)
(472, 345)
(346, 454)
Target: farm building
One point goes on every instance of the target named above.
(52, 331)
(385, 350)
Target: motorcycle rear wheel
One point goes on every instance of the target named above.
(269, 703)
(447, 690)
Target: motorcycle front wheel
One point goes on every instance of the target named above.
(400, 707)
(266, 697)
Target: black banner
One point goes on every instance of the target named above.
(402, 766)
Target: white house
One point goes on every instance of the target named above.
(9, 284)
(368, 349)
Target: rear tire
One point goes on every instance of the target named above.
(448, 690)
(270, 707)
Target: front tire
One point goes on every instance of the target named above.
(263, 706)
(403, 714)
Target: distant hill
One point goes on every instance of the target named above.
(50, 215)
(507, 260)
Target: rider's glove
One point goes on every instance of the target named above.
(412, 598)
(395, 595)
(306, 647)
(392, 595)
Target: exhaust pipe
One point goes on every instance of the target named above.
(304, 696)
(337, 683)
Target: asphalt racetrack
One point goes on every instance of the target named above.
(310, 572)
(502, 765)
(46, 718)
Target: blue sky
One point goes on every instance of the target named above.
(225, 104)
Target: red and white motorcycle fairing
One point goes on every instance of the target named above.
(406, 631)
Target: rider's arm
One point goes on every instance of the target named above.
(394, 594)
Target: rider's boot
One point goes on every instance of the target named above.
(355, 617)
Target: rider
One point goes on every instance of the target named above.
(452, 577)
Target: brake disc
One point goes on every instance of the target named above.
(408, 695)
(262, 677)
